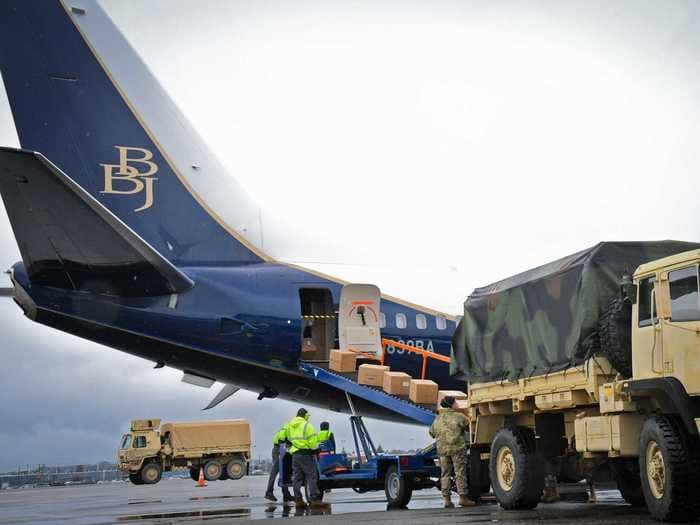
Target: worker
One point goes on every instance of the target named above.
(449, 429)
(278, 440)
(325, 438)
(303, 448)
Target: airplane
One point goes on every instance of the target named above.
(132, 235)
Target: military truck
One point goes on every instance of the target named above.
(220, 448)
(580, 368)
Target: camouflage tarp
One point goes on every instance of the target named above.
(546, 319)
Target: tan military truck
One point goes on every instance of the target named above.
(608, 381)
(221, 448)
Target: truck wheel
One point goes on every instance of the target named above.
(135, 478)
(517, 473)
(194, 474)
(668, 470)
(615, 334)
(235, 469)
(212, 470)
(629, 483)
(151, 473)
(397, 488)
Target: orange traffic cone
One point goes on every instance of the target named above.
(200, 481)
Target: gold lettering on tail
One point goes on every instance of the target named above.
(126, 179)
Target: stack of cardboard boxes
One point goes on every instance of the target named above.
(419, 391)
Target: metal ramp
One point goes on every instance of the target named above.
(395, 404)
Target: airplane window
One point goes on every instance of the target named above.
(401, 320)
(440, 323)
(421, 322)
(382, 320)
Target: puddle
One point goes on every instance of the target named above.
(228, 513)
(200, 498)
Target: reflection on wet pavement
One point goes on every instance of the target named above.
(219, 513)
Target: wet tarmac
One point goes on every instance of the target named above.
(179, 501)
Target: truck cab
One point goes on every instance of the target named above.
(666, 320)
(141, 442)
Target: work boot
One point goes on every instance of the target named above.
(319, 504)
(300, 504)
(448, 502)
(270, 496)
(464, 501)
(288, 498)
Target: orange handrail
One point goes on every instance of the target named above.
(412, 349)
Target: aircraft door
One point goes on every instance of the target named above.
(358, 319)
(318, 324)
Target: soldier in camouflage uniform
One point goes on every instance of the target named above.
(449, 429)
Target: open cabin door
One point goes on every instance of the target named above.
(358, 319)
(318, 324)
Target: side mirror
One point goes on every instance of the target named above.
(628, 288)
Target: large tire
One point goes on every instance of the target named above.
(135, 478)
(516, 470)
(235, 469)
(397, 488)
(626, 475)
(212, 470)
(668, 468)
(615, 334)
(151, 473)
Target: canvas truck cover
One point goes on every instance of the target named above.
(228, 434)
(546, 319)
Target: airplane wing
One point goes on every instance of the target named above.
(69, 240)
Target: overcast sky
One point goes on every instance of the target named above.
(485, 138)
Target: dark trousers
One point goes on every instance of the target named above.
(305, 473)
(276, 459)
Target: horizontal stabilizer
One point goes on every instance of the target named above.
(69, 240)
(226, 392)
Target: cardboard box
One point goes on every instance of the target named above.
(454, 393)
(423, 391)
(460, 406)
(342, 361)
(372, 375)
(397, 383)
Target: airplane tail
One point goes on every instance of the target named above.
(82, 97)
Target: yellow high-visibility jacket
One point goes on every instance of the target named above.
(281, 436)
(302, 435)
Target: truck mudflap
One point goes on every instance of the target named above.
(672, 397)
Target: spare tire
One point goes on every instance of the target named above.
(615, 333)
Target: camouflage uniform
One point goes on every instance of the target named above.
(449, 429)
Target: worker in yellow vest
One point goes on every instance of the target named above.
(325, 438)
(278, 440)
(304, 444)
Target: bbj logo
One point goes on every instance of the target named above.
(126, 179)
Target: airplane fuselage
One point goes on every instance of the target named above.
(242, 325)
